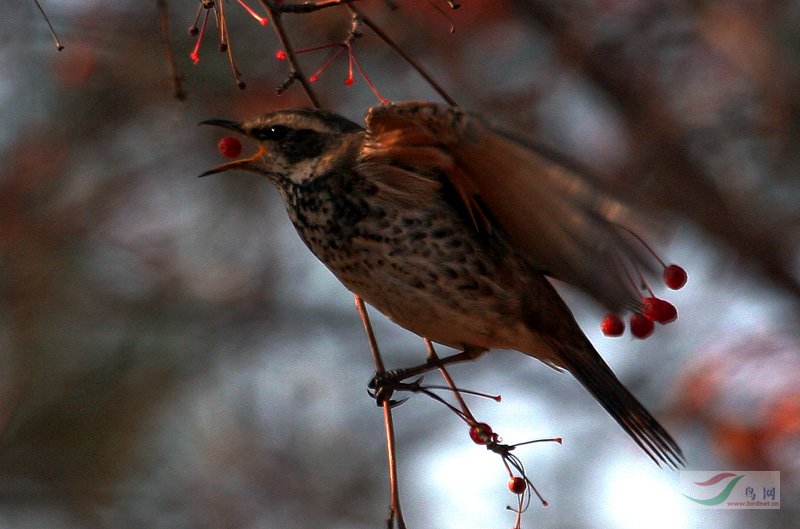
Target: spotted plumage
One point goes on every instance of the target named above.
(405, 214)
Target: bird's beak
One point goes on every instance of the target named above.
(242, 164)
(225, 124)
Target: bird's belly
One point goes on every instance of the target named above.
(444, 319)
(436, 280)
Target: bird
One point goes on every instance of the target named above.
(453, 229)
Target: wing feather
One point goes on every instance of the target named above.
(554, 214)
(399, 160)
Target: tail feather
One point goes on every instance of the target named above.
(595, 375)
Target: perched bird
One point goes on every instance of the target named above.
(450, 228)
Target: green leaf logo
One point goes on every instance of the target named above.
(722, 496)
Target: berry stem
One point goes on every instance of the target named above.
(59, 46)
(558, 440)
(195, 55)
(372, 87)
(261, 20)
(327, 63)
(226, 40)
(349, 80)
(643, 243)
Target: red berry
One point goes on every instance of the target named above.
(280, 55)
(612, 325)
(641, 327)
(674, 276)
(659, 310)
(348, 81)
(230, 147)
(481, 433)
(517, 485)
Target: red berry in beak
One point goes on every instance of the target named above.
(230, 147)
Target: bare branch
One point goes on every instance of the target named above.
(396, 47)
(395, 513)
(295, 72)
(176, 78)
(310, 7)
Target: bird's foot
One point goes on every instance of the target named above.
(383, 384)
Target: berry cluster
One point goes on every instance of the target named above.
(206, 8)
(346, 46)
(518, 483)
(651, 310)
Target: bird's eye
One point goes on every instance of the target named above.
(273, 133)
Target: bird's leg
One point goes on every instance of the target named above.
(383, 384)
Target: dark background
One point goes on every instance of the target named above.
(171, 356)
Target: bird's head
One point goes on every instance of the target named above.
(295, 145)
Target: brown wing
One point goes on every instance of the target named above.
(552, 213)
(398, 160)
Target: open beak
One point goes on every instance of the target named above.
(242, 164)
(225, 124)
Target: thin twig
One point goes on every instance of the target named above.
(310, 7)
(395, 513)
(176, 78)
(295, 72)
(449, 380)
(406, 57)
(59, 46)
(225, 45)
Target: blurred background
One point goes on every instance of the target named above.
(171, 356)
